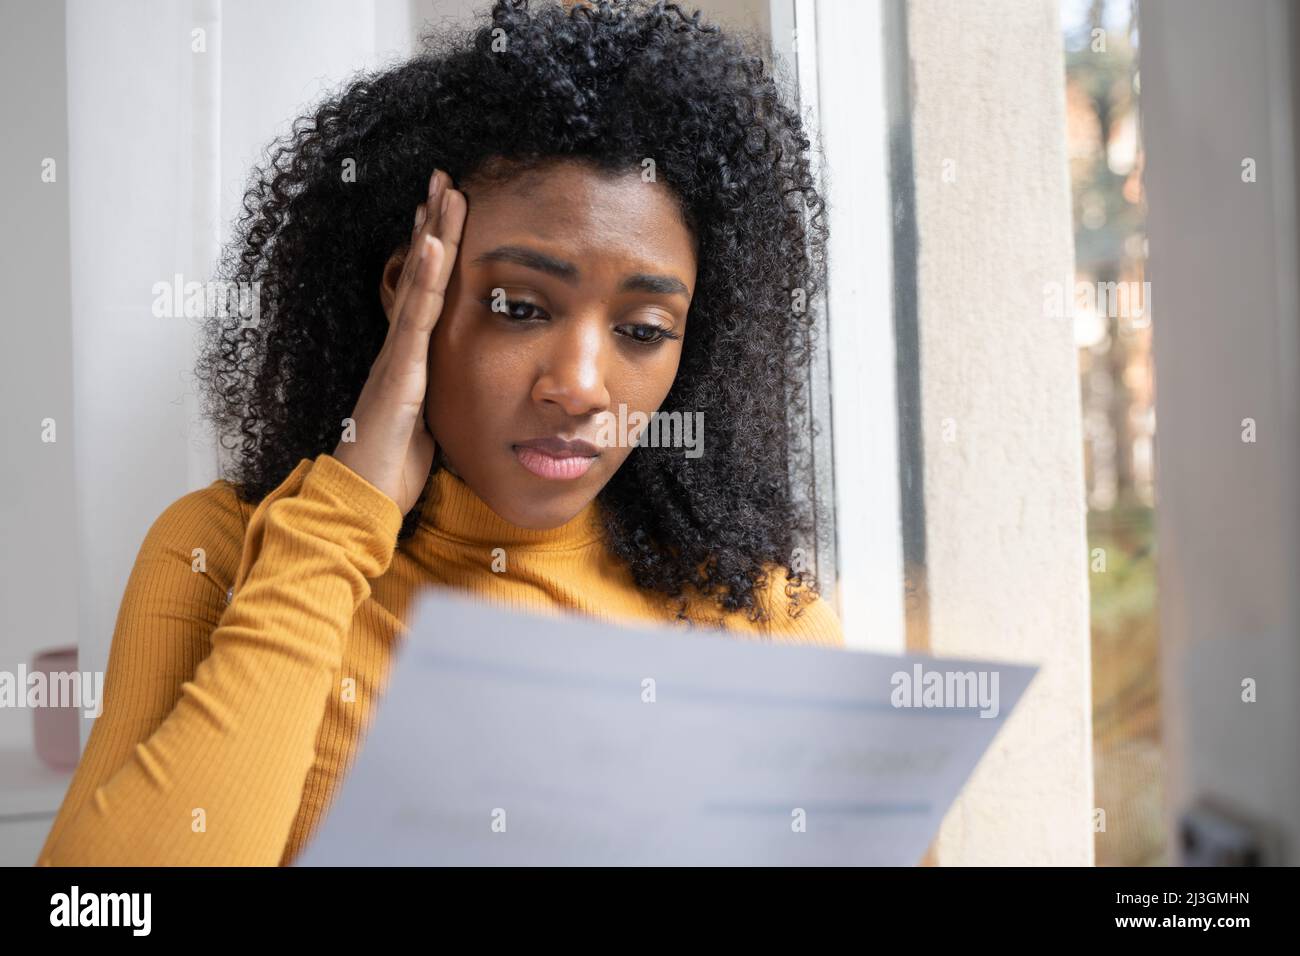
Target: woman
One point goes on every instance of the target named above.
(438, 392)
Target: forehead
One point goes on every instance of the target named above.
(593, 217)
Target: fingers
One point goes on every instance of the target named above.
(429, 221)
(430, 261)
(451, 225)
(409, 336)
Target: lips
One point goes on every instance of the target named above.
(561, 447)
(559, 459)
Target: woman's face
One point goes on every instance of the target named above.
(568, 300)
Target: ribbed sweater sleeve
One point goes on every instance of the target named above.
(210, 770)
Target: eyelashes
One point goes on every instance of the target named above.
(520, 311)
(510, 310)
(656, 334)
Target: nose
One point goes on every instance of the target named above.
(572, 374)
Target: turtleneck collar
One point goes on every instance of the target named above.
(453, 511)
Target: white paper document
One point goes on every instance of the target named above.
(512, 739)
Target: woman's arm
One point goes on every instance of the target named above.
(217, 778)
(220, 779)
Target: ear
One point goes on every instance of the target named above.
(388, 281)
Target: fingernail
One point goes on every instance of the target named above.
(424, 246)
(421, 212)
(434, 184)
(446, 199)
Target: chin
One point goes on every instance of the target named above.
(541, 512)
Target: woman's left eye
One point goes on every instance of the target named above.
(647, 334)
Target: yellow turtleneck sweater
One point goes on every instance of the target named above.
(229, 723)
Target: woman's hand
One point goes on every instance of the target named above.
(393, 448)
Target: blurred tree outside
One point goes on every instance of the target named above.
(1112, 320)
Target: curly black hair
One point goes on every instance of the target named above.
(610, 84)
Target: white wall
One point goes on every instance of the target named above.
(38, 577)
(1006, 551)
(1224, 286)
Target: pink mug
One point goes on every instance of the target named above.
(57, 730)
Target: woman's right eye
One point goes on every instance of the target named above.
(518, 310)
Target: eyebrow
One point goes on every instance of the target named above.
(568, 272)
